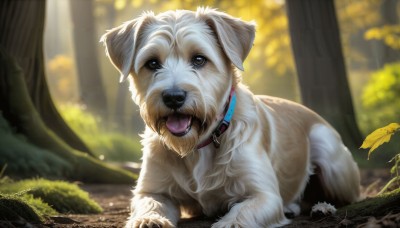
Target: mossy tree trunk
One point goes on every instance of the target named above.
(25, 100)
(320, 65)
(21, 35)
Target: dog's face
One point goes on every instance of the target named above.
(182, 67)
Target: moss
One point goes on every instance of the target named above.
(62, 196)
(91, 170)
(37, 162)
(376, 206)
(21, 205)
(25, 160)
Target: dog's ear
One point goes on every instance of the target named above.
(121, 43)
(234, 35)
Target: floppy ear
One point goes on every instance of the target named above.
(121, 43)
(234, 35)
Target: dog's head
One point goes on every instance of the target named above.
(182, 66)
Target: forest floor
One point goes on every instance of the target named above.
(115, 200)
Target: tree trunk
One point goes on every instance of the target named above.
(320, 65)
(22, 26)
(25, 98)
(91, 89)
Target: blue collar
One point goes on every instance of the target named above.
(223, 124)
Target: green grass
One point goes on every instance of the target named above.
(34, 200)
(105, 144)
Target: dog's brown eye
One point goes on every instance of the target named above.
(198, 61)
(153, 64)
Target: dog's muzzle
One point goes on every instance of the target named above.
(178, 124)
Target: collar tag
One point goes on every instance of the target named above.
(215, 140)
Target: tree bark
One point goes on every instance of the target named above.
(25, 98)
(91, 89)
(22, 26)
(320, 65)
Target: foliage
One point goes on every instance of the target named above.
(355, 17)
(380, 136)
(24, 159)
(376, 139)
(389, 34)
(110, 146)
(381, 96)
(62, 196)
(62, 77)
(383, 87)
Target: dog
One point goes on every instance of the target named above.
(211, 147)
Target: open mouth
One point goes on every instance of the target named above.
(179, 124)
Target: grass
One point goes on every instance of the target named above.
(34, 200)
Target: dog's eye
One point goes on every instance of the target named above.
(198, 61)
(153, 64)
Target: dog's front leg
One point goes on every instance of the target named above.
(264, 210)
(263, 205)
(153, 210)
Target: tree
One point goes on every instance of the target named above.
(91, 89)
(26, 45)
(320, 65)
(26, 104)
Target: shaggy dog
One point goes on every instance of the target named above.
(210, 146)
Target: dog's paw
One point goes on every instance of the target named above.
(292, 210)
(149, 222)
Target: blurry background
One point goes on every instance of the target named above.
(85, 86)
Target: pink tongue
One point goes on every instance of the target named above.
(177, 123)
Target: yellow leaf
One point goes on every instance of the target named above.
(379, 136)
(119, 4)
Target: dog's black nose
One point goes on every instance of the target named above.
(174, 98)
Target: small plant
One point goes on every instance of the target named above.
(376, 139)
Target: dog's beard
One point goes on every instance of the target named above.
(183, 145)
(196, 115)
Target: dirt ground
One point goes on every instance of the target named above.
(115, 201)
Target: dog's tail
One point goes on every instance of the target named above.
(334, 168)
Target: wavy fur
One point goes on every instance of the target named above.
(267, 154)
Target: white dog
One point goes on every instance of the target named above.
(210, 146)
